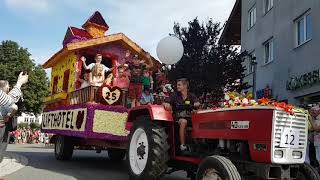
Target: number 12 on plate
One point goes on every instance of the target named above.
(290, 138)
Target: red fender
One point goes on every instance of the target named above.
(155, 112)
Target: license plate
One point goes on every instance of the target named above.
(290, 138)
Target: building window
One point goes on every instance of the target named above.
(252, 17)
(66, 75)
(268, 51)
(25, 119)
(55, 85)
(303, 27)
(267, 5)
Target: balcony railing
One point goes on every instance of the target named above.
(90, 94)
(84, 95)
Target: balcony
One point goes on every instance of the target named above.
(84, 95)
(90, 94)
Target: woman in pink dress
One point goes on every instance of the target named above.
(122, 79)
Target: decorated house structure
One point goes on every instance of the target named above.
(93, 39)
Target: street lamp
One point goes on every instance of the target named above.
(253, 62)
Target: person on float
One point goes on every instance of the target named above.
(146, 97)
(182, 103)
(121, 80)
(85, 82)
(147, 79)
(136, 79)
(98, 70)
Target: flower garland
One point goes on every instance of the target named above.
(234, 99)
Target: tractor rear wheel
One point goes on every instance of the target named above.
(307, 172)
(217, 168)
(147, 154)
(63, 149)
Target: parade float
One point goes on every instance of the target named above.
(243, 139)
(92, 116)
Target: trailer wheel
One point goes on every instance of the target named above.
(147, 154)
(63, 148)
(116, 154)
(217, 168)
(307, 172)
(4, 138)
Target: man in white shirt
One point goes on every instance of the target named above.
(7, 99)
(97, 69)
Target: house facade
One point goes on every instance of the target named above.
(29, 118)
(282, 37)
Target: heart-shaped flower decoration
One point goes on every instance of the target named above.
(111, 95)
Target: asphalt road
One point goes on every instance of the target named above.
(85, 165)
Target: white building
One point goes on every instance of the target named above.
(29, 118)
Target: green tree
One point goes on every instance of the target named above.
(211, 68)
(13, 60)
(34, 126)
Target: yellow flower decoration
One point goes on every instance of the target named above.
(110, 122)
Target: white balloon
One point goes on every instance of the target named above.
(170, 50)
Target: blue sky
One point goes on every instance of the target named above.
(40, 25)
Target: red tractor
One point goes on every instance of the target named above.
(232, 143)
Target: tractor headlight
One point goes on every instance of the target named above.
(278, 154)
(297, 154)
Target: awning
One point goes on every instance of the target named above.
(232, 31)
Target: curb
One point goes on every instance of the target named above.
(11, 163)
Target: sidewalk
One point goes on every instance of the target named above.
(12, 163)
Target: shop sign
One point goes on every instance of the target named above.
(73, 120)
(308, 79)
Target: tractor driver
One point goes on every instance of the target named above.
(182, 103)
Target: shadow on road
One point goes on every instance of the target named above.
(85, 165)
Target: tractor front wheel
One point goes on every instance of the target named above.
(307, 172)
(147, 154)
(217, 168)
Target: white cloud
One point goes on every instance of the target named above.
(34, 6)
(146, 22)
(143, 21)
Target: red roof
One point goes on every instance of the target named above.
(74, 33)
(80, 32)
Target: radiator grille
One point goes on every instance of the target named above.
(298, 121)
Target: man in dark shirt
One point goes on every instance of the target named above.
(181, 103)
